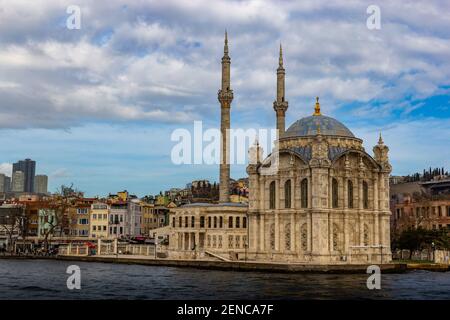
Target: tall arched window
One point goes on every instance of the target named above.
(230, 222)
(215, 222)
(202, 222)
(365, 195)
(287, 194)
(272, 195)
(334, 193)
(350, 193)
(173, 222)
(244, 222)
(304, 193)
(221, 222)
(180, 224)
(192, 222)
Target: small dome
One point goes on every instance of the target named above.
(309, 127)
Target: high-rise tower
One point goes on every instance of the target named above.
(225, 97)
(280, 105)
(28, 168)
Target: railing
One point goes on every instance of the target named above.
(73, 250)
(109, 249)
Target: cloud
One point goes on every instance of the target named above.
(6, 169)
(159, 61)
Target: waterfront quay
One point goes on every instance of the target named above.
(243, 266)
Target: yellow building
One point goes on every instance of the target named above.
(99, 220)
(123, 195)
(148, 224)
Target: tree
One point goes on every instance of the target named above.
(56, 215)
(420, 238)
(12, 221)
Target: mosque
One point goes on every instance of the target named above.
(322, 200)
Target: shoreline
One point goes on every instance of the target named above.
(244, 266)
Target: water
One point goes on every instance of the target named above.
(46, 279)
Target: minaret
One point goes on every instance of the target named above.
(280, 105)
(225, 97)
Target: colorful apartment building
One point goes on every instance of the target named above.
(99, 220)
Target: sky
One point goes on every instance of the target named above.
(96, 106)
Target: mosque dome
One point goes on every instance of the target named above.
(311, 126)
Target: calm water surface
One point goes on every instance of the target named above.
(44, 279)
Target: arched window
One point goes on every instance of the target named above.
(221, 222)
(209, 222)
(202, 222)
(304, 193)
(215, 222)
(244, 222)
(334, 193)
(192, 222)
(230, 222)
(350, 193)
(287, 194)
(186, 222)
(180, 223)
(173, 222)
(365, 195)
(238, 222)
(272, 195)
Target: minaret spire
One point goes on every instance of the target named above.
(225, 47)
(225, 97)
(280, 60)
(280, 105)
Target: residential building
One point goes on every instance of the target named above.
(28, 167)
(48, 223)
(99, 220)
(423, 204)
(118, 216)
(154, 217)
(80, 216)
(135, 217)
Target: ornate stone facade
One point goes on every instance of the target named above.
(328, 201)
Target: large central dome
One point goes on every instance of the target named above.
(309, 126)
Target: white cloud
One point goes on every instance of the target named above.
(6, 168)
(160, 61)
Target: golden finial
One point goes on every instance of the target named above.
(380, 140)
(317, 108)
